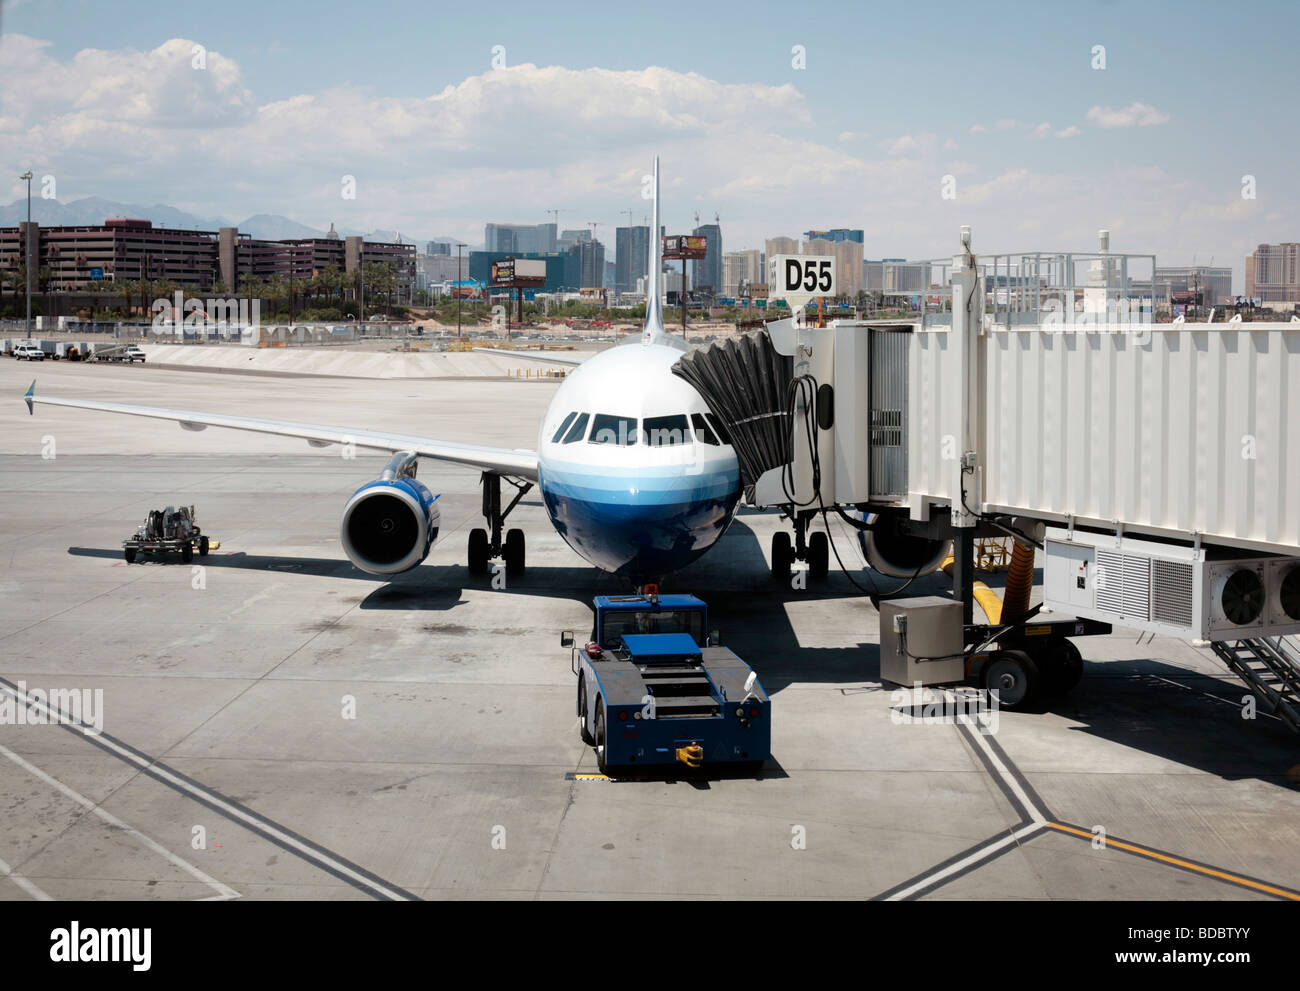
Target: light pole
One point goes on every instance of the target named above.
(27, 254)
(458, 288)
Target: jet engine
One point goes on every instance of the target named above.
(390, 524)
(898, 554)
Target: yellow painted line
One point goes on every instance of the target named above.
(584, 776)
(1178, 862)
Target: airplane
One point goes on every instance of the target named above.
(637, 474)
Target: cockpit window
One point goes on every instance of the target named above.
(578, 430)
(563, 427)
(703, 432)
(664, 431)
(606, 428)
(719, 428)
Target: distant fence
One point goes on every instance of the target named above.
(281, 335)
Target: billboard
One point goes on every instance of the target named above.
(685, 246)
(526, 272)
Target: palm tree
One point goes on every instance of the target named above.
(276, 286)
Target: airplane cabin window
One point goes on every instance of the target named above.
(665, 431)
(703, 432)
(563, 427)
(718, 428)
(606, 428)
(578, 430)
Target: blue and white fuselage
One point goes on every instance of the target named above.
(631, 464)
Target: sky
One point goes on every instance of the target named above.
(1049, 120)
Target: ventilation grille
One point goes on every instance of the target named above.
(1123, 584)
(1171, 597)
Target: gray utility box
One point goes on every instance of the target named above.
(927, 627)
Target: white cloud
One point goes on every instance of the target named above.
(1041, 131)
(1134, 115)
(144, 127)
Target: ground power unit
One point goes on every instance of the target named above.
(1193, 593)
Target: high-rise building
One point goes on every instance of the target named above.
(588, 265)
(632, 252)
(519, 237)
(430, 247)
(774, 246)
(896, 275)
(1273, 273)
(706, 273)
(741, 269)
(849, 275)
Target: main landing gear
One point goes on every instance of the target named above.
(485, 544)
(813, 548)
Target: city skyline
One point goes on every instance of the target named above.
(763, 132)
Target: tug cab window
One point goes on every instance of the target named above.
(703, 432)
(665, 431)
(606, 428)
(563, 427)
(578, 430)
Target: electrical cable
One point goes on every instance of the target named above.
(805, 387)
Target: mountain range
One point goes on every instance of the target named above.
(93, 210)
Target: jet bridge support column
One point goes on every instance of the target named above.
(966, 420)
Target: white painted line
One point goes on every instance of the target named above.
(22, 882)
(1036, 812)
(221, 890)
(983, 853)
(208, 797)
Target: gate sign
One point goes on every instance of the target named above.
(801, 276)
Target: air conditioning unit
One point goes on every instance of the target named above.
(1211, 593)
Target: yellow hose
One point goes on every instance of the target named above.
(1020, 581)
(985, 596)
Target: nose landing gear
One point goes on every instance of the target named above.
(813, 548)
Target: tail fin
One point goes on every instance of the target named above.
(654, 332)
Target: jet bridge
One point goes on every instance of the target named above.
(1170, 450)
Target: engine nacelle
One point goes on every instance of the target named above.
(389, 525)
(901, 555)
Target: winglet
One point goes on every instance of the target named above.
(27, 396)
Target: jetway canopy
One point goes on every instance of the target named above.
(1176, 430)
(1185, 432)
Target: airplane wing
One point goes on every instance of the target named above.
(549, 357)
(506, 461)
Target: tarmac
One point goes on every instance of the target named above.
(277, 724)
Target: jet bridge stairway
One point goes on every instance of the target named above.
(1270, 667)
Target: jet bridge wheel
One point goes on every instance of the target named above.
(1061, 666)
(1014, 676)
(782, 555)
